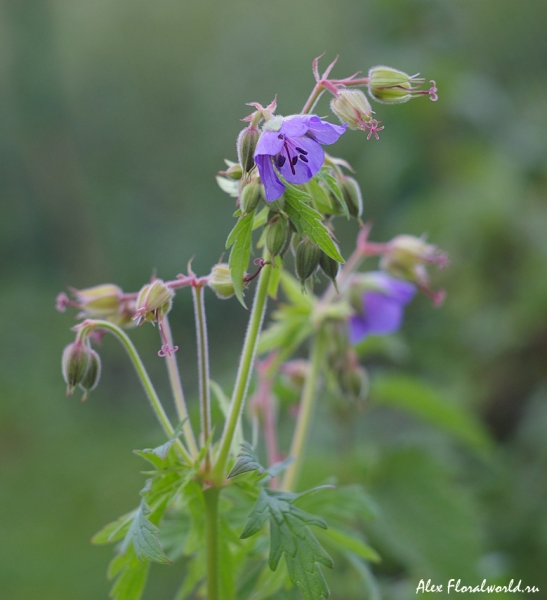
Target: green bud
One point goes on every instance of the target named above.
(234, 172)
(307, 259)
(391, 86)
(352, 195)
(246, 145)
(75, 362)
(251, 195)
(407, 256)
(93, 374)
(329, 266)
(100, 301)
(278, 234)
(352, 108)
(277, 205)
(154, 300)
(354, 382)
(220, 281)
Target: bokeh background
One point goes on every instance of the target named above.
(115, 117)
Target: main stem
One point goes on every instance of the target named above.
(305, 415)
(145, 380)
(244, 371)
(178, 394)
(210, 496)
(203, 368)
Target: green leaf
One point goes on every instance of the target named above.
(144, 536)
(246, 462)
(346, 541)
(114, 531)
(330, 182)
(241, 240)
(275, 277)
(130, 574)
(161, 451)
(230, 186)
(308, 222)
(291, 536)
(422, 400)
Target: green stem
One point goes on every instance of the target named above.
(307, 406)
(178, 394)
(203, 368)
(88, 326)
(210, 496)
(314, 97)
(244, 371)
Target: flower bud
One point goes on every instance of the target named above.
(100, 301)
(278, 235)
(329, 266)
(93, 374)
(390, 86)
(307, 259)
(75, 362)
(406, 255)
(234, 172)
(354, 382)
(246, 145)
(220, 281)
(352, 108)
(154, 300)
(352, 195)
(251, 195)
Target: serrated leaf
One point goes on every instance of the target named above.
(241, 240)
(260, 218)
(246, 462)
(330, 182)
(114, 531)
(308, 222)
(290, 536)
(346, 541)
(144, 536)
(131, 575)
(162, 450)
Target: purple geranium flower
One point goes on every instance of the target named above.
(291, 146)
(382, 306)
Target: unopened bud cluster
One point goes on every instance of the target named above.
(81, 366)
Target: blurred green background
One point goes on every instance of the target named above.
(115, 117)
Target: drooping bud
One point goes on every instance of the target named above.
(405, 256)
(352, 195)
(246, 145)
(75, 362)
(352, 108)
(251, 195)
(99, 301)
(154, 300)
(278, 235)
(354, 382)
(307, 259)
(329, 266)
(220, 281)
(93, 374)
(391, 86)
(234, 172)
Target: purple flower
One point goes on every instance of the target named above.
(291, 146)
(383, 303)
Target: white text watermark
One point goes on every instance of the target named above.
(456, 586)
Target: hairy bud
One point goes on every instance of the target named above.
(251, 195)
(329, 266)
(154, 300)
(406, 256)
(352, 195)
(246, 145)
(220, 281)
(75, 363)
(352, 108)
(278, 235)
(307, 259)
(391, 86)
(93, 374)
(99, 301)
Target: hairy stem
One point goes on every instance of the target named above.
(155, 402)
(305, 415)
(210, 496)
(244, 371)
(178, 394)
(203, 368)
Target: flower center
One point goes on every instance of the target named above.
(292, 152)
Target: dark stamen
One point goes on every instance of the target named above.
(303, 158)
(301, 150)
(290, 159)
(294, 160)
(280, 161)
(280, 136)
